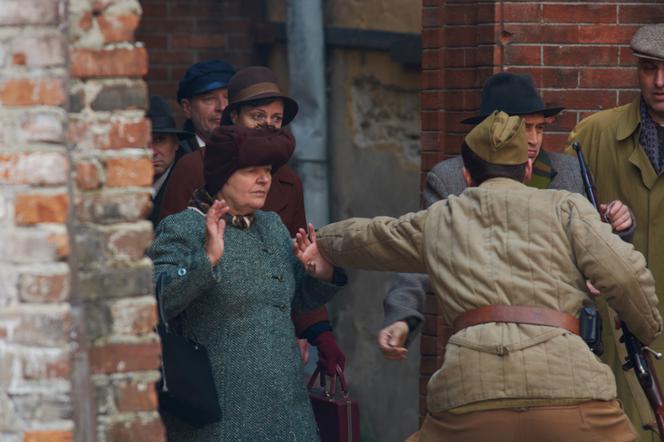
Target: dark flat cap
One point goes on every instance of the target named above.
(203, 77)
(235, 147)
(648, 42)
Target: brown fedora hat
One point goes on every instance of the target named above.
(255, 83)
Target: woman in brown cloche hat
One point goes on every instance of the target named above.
(230, 267)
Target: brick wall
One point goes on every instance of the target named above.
(35, 317)
(577, 52)
(178, 33)
(77, 353)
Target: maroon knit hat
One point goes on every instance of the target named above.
(235, 147)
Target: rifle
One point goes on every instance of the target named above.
(639, 356)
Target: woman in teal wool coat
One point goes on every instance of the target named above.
(232, 280)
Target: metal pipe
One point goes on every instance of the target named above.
(306, 67)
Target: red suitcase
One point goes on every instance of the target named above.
(338, 419)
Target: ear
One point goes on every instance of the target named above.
(234, 116)
(549, 120)
(467, 178)
(528, 173)
(185, 104)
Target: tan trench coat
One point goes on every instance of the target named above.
(505, 243)
(622, 170)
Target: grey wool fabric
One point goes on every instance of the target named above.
(240, 310)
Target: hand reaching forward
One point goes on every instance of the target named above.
(618, 215)
(306, 250)
(214, 231)
(392, 341)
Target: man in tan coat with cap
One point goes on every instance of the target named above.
(510, 265)
(624, 148)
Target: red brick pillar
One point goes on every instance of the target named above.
(111, 188)
(78, 356)
(35, 317)
(578, 55)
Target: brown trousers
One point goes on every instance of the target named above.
(601, 421)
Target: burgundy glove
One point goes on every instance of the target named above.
(329, 353)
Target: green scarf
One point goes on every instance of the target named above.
(543, 172)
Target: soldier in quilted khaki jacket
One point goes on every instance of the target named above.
(500, 244)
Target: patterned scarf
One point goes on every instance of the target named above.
(202, 201)
(543, 172)
(652, 138)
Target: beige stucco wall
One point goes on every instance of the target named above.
(373, 141)
(386, 15)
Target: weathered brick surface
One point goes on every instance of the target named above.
(44, 326)
(577, 53)
(118, 133)
(122, 358)
(24, 12)
(149, 429)
(31, 92)
(35, 168)
(39, 51)
(134, 316)
(132, 394)
(117, 28)
(48, 436)
(102, 283)
(88, 175)
(46, 284)
(74, 170)
(128, 171)
(120, 62)
(116, 96)
(107, 207)
(41, 208)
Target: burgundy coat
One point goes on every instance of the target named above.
(285, 197)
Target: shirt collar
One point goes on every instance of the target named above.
(159, 182)
(200, 141)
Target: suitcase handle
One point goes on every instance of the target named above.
(331, 393)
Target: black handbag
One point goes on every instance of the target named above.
(186, 388)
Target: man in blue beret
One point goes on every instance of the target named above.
(203, 96)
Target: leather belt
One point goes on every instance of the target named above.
(519, 315)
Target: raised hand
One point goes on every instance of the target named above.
(618, 215)
(214, 231)
(306, 250)
(392, 341)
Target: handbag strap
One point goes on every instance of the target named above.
(179, 319)
(159, 287)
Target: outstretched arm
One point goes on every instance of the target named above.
(306, 251)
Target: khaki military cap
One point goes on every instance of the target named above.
(500, 139)
(648, 42)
